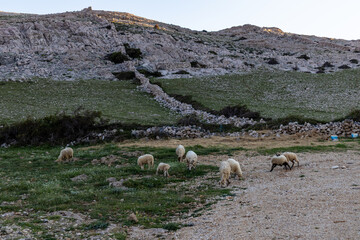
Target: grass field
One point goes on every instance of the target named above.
(275, 94)
(118, 101)
(31, 181)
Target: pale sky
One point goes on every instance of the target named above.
(324, 18)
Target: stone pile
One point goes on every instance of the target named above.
(342, 129)
(171, 132)
(186, 109)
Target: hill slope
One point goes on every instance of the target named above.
(74, 45)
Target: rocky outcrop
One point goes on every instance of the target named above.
(342, 129)
(74, 45)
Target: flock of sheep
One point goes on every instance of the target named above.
(226, 167)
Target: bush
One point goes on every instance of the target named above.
(272, 61)
(55, 129)
(344, 67)
(171, 226)
(304, 56)
(132, 52)
(117, 57)
(239, 111)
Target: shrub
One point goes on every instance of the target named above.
(55, 129)
(171, 226)
(117, 57)
(272, 61)
(344, 67)
(239, 111)
(354, 61)
(327, 65)
(304, 56)
(132, 52)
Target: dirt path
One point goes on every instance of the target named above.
(313, 201)
(245, 142)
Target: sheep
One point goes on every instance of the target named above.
(225, 171)
(146, 159)
(280, 160)
(180, 152)
(67, 154)
(235, 167)
(290, 156)
(191, 160)
(163, 167)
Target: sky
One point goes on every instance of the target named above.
(323, 18)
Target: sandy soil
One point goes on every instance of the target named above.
(313, 201)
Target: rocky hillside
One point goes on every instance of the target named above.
(78, 45)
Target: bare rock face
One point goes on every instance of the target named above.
(76, 45)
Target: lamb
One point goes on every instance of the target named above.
(235, 167)
(146, 159)
(180, 152)
(163, 167)
(291, 157)
(191, 160)
(225, 171)
(65, 154)
(280, 160)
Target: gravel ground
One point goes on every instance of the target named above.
(313, 201)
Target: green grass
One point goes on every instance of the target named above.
(275, 94)
(118, 101)
(48, 187)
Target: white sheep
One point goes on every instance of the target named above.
(191, 160)
(235, 167)
(65, 154)
(146, 159)
(163, 167)
(225, 171)
(291, 157)
(180, 152)
(280, 160)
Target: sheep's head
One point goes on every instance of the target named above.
(191, 164)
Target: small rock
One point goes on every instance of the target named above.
(111, 179)
(335, 167)
(80, 178)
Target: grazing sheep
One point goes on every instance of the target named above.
(146, 159)
(180, 152)
(290, 156)
(235, 167)
(191, 160)
(65, 154)
(163, 167)
(280, 160)
(225, 171)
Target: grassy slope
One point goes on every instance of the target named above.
(277, 94)
(118, 101)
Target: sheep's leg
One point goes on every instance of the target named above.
(272, 167)
(292, 164)
(287, 164)
(157, 172)
(142, 167)
(149, 166)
